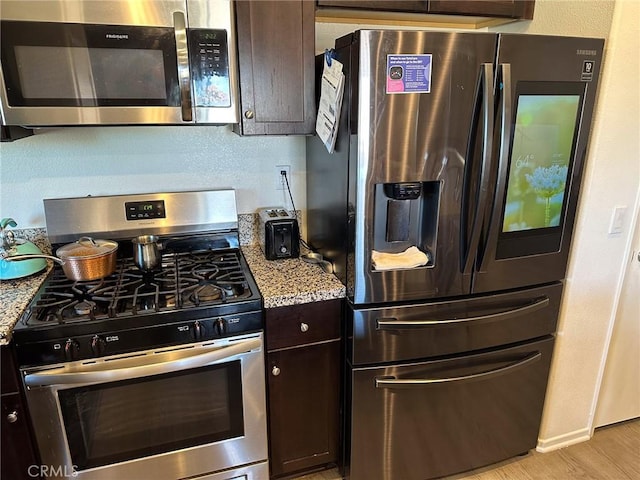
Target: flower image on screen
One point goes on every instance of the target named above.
(542, 148)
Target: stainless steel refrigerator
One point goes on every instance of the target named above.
(447, 209)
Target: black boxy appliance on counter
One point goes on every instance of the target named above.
(279, 234)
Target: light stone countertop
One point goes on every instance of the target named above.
(16, 294)
(281, 283)
(291, 281)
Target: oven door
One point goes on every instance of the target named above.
(165, 414)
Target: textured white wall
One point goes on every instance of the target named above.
(594, 277)
(80, 161)
(588, 18)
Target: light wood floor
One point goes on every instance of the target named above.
(612, 454)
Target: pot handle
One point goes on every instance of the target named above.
(11, 258)
(7, 221)
(89, 240)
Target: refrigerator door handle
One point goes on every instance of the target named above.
(486, 79)
(393, 382)
(390, 323)
(504, 80)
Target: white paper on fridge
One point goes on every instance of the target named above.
(331, 94)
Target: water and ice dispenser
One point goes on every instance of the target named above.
(406, 217)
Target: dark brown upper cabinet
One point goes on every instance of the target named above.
(276, 48)
(520, 9)
(414, 6)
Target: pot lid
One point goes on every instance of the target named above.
(87, 247)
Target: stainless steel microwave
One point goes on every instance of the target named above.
(117, 62)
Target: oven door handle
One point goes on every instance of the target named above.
(393, 382)
(96, 373)
(182, 55)
(391, 323)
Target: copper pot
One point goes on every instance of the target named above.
(86, 259)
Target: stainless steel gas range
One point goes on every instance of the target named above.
(148, 373)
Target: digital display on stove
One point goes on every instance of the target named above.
(145, 210)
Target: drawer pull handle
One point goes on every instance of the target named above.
(12, 417)
(394, 382)
(392, 323)
(304, 327)
(275, 371)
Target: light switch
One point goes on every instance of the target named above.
(617, 219)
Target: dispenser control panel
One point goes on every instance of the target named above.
(403, 191)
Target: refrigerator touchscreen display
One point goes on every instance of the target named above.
(542, 148)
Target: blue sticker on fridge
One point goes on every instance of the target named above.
(409, 73)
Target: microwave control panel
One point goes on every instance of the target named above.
(209, 62)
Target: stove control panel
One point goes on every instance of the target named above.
(156, 335)
(145, 210)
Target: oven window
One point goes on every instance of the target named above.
(91, 73)
(119, 421)
(51, 64)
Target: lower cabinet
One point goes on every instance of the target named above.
(303, 380)
(17, 454)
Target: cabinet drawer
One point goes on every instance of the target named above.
(301, 324)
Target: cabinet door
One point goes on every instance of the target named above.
(419, 6)
(303, 396)
(276, 47)
(485, 8)
(17, 453)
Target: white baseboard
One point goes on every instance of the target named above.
(561, 441)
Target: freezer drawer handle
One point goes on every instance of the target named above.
(391, 323)
(393, 382)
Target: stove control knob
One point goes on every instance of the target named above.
(98, 345)
(221, 326)
(71, 350)
(198, 330)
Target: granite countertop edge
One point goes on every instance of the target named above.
(281, 283)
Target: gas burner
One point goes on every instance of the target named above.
(204, 271)
(204, 292)
(84, 307)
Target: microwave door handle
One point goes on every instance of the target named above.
(393, 382)
(495, 218)
(486, 79)
(182, 52)
(391, 323)
(96, 373)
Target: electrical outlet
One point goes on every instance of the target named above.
(281, 184)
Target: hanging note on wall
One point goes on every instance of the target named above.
(331, 93)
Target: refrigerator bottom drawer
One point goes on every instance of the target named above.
(428, 419)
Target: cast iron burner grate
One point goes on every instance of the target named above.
(186, 280)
